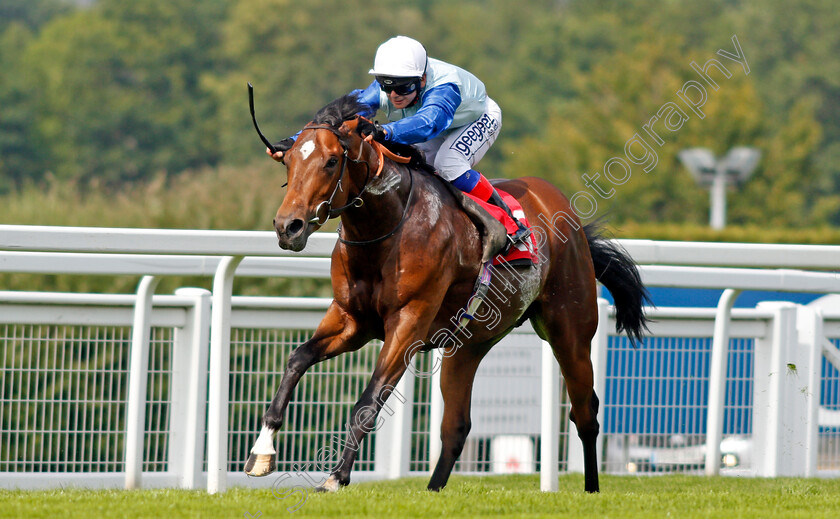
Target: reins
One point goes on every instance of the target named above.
(395, 229)
(381, 151)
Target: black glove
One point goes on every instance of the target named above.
(284, 145)
(379, 133)
(376, 130)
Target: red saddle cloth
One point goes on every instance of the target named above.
(524, 252)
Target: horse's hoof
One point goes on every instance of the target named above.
(259, 465)
(330, 485)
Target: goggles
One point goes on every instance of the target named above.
(400, 85)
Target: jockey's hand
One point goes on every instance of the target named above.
(282, 147)
(377, 132)
(278, 156)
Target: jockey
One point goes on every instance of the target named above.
(441, 109)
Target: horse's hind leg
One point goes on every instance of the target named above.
(337, 333)
(570, 341)
(456, 382)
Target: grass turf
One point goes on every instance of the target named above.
(682, 497)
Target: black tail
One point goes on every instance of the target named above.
(615, 269)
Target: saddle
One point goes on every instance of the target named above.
(492, 232)
(493, 225)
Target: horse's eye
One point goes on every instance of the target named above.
(332, 162)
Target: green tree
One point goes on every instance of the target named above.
(298, 60)
(119, 89)
(793, 48)
(30, 13)
(22, 151)
(123, 91)
(621, 94)
(788, 189)
(521, 58)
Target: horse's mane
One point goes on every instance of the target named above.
(346, 108)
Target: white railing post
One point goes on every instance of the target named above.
(599, 367)
(809, 326)
(217, 413)
(776, 375)
(550, 420)
(435, 411)
(717, 380)
(393, 438)
(188, 390)
(138, 378)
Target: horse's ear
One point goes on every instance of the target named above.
(349, 126)
(364, 126)
(347, 133)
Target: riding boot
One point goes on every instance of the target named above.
(522, 232)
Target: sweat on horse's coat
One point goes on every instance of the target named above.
(385, 183)
(407, 286)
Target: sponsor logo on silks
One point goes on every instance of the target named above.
(475, 133)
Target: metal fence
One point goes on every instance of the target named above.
(63, 398)
(66, 394)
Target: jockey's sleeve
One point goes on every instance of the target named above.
(370, 97)
(435, 116)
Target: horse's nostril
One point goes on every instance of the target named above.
(295, 227)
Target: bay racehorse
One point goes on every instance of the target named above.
(406, 266)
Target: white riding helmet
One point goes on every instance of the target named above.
(400, 56)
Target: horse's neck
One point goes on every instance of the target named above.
(384, 203)
(390, 180)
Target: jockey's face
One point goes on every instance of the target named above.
(401, 102)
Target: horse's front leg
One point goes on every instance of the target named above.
(338, 333)
(402, 331)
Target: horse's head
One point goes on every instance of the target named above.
(322, 166)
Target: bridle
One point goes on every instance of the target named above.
(345, 158)
(382, 151)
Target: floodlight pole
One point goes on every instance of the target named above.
(736, 167)
(717, 199)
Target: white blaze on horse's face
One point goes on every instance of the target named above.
(307, 148)
(313, 178)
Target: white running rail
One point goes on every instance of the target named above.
(223, 254)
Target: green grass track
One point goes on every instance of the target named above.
(681, 497)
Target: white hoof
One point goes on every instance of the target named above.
(259, 465)
(330, 485)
